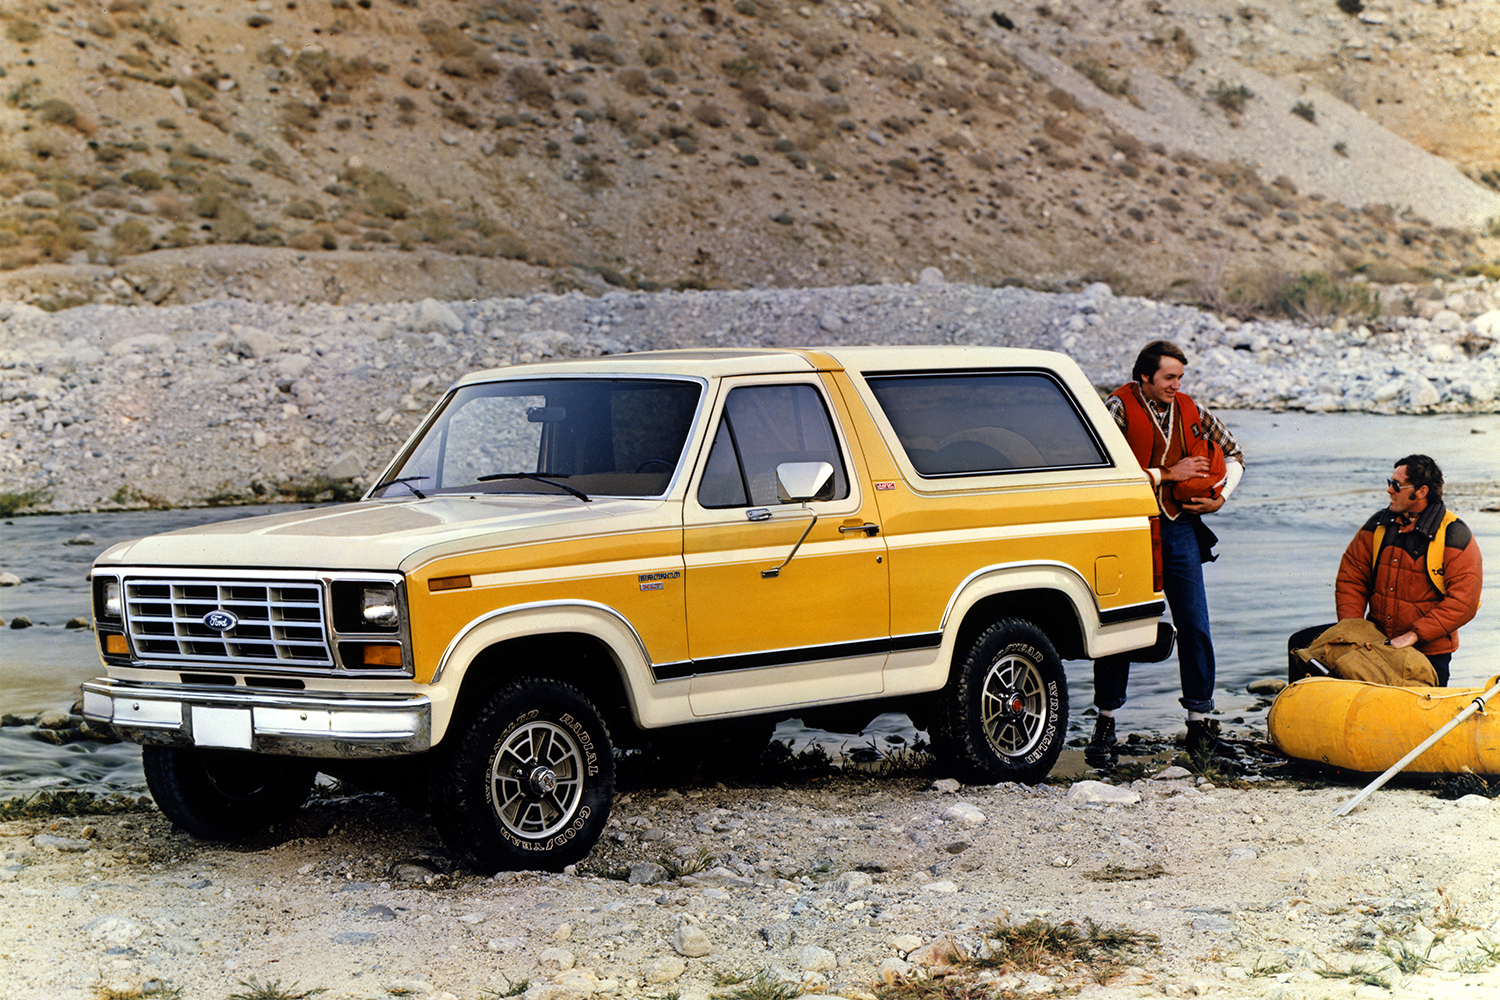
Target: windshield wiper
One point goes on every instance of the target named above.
(405, 481)
(538, 477)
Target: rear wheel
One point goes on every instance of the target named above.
(528, 781)
(1004, 714)
(225, 794)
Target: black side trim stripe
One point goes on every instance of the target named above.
(799, 654)
(1132, 613)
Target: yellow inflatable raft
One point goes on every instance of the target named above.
(1368, 727)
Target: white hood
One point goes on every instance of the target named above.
(379, 535)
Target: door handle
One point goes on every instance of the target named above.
(870, 530)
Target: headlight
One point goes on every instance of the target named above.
(107, 604)
(378, 606)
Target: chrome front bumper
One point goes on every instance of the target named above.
(263, 721)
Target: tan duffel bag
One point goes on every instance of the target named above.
(1355, 649)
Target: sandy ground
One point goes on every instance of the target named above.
(833, 884)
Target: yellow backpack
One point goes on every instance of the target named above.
(1434, 551)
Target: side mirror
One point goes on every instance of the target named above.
(799, 482)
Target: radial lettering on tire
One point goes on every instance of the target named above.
(1014, 703)
(536, 780)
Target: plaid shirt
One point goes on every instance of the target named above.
(1212, 428)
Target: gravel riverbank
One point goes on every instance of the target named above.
(228, 400)
(833, 887)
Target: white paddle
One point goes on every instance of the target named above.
(1476, 705)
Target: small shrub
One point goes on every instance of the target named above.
(69, 803)
(1341, 148)
(23, 32)
(1350, 7)
(635, 82)
(306, 240)
(13, 501)
(131, 236)
(1231, 98)
(741, 68)
(56, 111)
(144, 179)
(760, 987)
(1062, 133)
(165, 32)
(711, 115)
(296, 115)
(1063, 100)
(180, 236)
(1316, 298)
(652, 54)
(1304, 109)
(1183, 43)
(509, 246)
(317, 490)
(231, 223)
(597, 49)
(383, 197)
(530, 87)
(1101, 78)
(256, 990)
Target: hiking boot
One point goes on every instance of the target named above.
(1101, 749)
(1203, 739)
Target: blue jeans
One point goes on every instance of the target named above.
(1182, 580)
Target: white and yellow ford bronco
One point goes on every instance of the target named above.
(569, 558)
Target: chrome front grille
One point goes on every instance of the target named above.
(276, 623)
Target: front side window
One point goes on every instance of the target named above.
(601, 436)
(764, 426)
(981, 423)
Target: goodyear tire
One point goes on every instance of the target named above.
(225, 794)
(528, 780)
(1004, 714)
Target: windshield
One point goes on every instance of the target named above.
(599, 436)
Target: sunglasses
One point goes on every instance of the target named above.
(1398, 487)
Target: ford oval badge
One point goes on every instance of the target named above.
(220, 621)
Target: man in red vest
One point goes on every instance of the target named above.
(1170, 435)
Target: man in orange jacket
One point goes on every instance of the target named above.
(1414, 566)
(1416, 593)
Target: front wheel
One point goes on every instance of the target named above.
(528, 781)
(1004, 714)
(224, 794)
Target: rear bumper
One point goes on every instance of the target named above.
(264, 722)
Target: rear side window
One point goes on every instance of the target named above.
(977, 423)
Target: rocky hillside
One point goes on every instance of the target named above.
(393, 149)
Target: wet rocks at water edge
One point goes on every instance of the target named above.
(59, 727)
(234, 401)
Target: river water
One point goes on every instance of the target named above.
(1312, 480)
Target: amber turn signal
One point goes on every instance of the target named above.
(115, 645)
(438, 583)
(382, 656)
